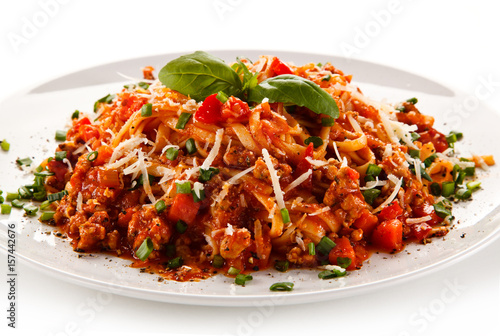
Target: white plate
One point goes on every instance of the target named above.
(31, 117)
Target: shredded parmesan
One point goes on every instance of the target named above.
(320, 211)
(79, 202)
(229, 230)
(337, 151)
(66, 161)
(373, 184)
(126, 146)
(418, 220)
(197, 188)
(391, 197)
(274, 178)
(298, 181)
(215, 149)
(317, 163)
(354, 124)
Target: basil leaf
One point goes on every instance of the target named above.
(199, 75)
(295, 90)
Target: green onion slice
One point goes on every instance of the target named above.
(56, 196)
(183, 120)
(281, 265)
(61, 155)
(233, 271)
(282, 287)
(241, 279)
(24, 162)
(47, 215)
(160, 206)
(325, 245)
(344, 262)
(191, 146)
(175, 263)
(311, 248)
(60, 135)
(172, 153)
(5, 209)
(316, 141)
(207, 174)
(5, 146)
(183, 188)
(145, 249)
(218, 261)
(181, 226)
(92, 156)
(370, 195)
(330, 274)
(147, 110)
(285, 215)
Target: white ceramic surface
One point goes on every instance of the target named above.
(30, 118)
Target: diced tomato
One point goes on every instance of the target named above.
(388, 235)
(437, 138)
(390, 212)
(420, 230)
(426, 209)
(343, 249)
(280, 68)
(104, 153)
(235, 110)
(353, 174)
(366, 222)
(184, 208)
(304, 165)
(210, 110)
(76, 127)
(89, 132)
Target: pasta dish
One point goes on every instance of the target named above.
(216, 168)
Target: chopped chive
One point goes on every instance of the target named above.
(17, 203)
(143, 85)
(441, 210)
(75, 115)
(175, 263)
(414, 136)
(241, 279)
(473, 185)
(285, 215)
(47, 215)
(454, 136)
(425, 175)
(2, 199)
(57, 196)
(199, 198)
(183, 120)
(370, 195)
(430, 159)
(412, 100)
(93, 156)
(436, 189)
(106, 99)
(44, 173)
(30, 210)
(38, 169)
(207, 174)
(461, 177)
(5, 209)
(414, 153)
(463, 194)
(233, 271)
(147, 110)
(24, 193)
(181, 226)
(5, 146)
(316, 141)
(326, 78)
(61, 155)
(60, 135)
(281, 265)
(183, 188)
(325, 245)
(401, 108)
(222, 97)
(455, 171)
(344, 262)
(191, 146)
(330, 274)
(44, 205)
(145, 249)
(470, 171)
(312, 248)
(327, 122)
(373, 170)
(172, 153)
(448, 188)
(160, 206)
(24, 162)
(218, 261)
(11, 196)
(282, 287)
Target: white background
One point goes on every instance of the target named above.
(453, 42)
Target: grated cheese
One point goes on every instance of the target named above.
(66, 161)
(316, 163)
(229, 230)
(274, 178)
(320, 211)
(418, 220)
(392, 196)
(79, 202)
(373, 184)
(299, 180)
(215, 149)
(197, 188)
(127, 145)
(339, 158)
